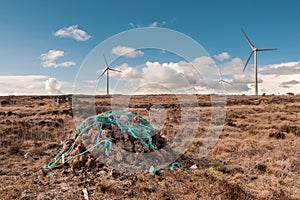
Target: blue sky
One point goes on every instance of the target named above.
(28, 32)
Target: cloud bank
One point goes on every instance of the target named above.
(20, 85)
(176, 76)
(202, 75)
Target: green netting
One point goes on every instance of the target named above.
(174, 164)
(127, 123)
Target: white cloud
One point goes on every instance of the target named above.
(182, 76)
(287, 68)
(222, 56)
(242, 78)
(126, 52)
(285, 64)
(91, 82)
(161, 71)
(52, 86)
(152, 25)
(273, 79)
(132, 25)
(272, 84)
(233, 66)
(157, 24)
(73, 32)
(30, 84)
(280, 78)
(127, 72)
(49, 59)
(155, 77)
(166, 74)
(178, 76)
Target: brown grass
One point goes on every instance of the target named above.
(256, 157)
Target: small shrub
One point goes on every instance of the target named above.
(261, 167)
(281, 182)
(217, 162)
(291, 129)
(288, 128)
(230, 122)
(277, 135)
(103, 187)
(253, 132)
(15, 150)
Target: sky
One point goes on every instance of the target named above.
(57, 47)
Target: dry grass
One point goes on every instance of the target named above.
(256, 157)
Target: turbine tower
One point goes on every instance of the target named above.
(254, 51)
(107, 74)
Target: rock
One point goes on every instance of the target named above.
(85, 194)
(194, 166)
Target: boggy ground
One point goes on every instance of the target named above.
(257, 155)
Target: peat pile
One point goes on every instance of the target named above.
(118, 139)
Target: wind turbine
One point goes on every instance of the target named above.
(221, 78)
(254, 51)
(193, 88)
(107, 74)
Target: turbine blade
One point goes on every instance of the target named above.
(248, 60)
(102, 73)
(105, 61)
(225, 82)
(270, 49)
(114, 70)
(250, 43)
(220, 73)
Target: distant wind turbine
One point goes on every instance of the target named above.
(254, 50)
(107, 74)
(193, 88)
(221, 78)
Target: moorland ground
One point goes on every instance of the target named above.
(257, 155)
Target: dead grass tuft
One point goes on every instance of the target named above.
(104, 187)
(261, 167)
(15, 150)
(291, 129)
(277, 134)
